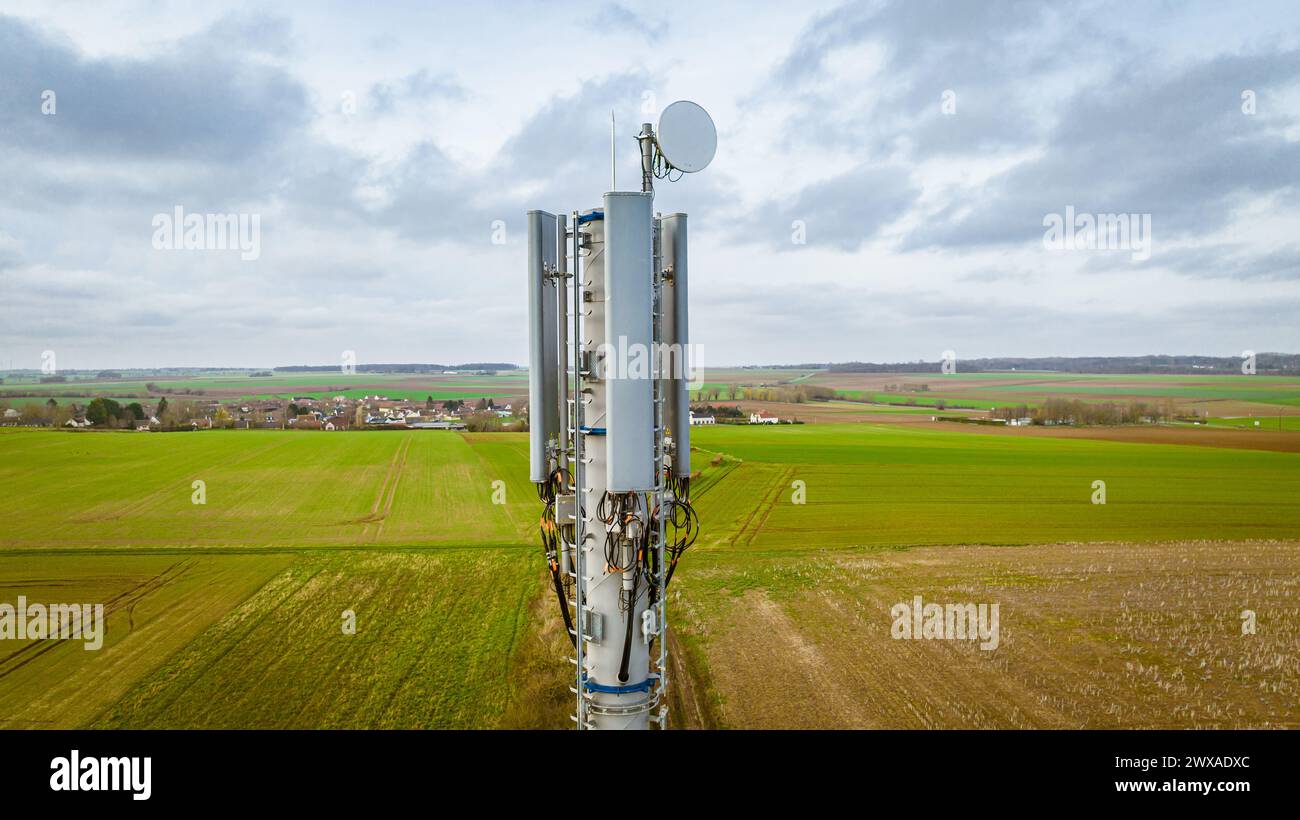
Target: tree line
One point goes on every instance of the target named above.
(1075, 411)
(105, 413)
(791, 393)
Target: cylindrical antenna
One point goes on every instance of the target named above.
(543, 381)
(646, 140)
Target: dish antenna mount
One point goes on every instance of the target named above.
(686, 142)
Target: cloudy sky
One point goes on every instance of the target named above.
(883, 176)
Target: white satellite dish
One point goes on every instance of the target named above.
(687, 137)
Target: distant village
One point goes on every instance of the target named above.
(188, 412)
(306, 413)
(299, 413)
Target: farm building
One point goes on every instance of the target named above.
(763, 417)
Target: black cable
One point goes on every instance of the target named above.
(627, 639)
(551, 539)
(564, 605)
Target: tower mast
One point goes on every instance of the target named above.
(609, 425)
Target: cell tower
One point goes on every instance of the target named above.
(609, 423)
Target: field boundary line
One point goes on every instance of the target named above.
(162, 666)
(761, 511)
(770, 505)
(32, 651)
(374, 516)
(400, 464)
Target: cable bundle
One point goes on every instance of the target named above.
(681, 524)
(551, 539)
(629, 538)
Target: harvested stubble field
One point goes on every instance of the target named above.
(1111, 635)
(230, 613)
(785, 614)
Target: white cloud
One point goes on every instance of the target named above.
(923, 228)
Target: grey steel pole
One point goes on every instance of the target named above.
(579, 498)
(561, 348)
(646, 140)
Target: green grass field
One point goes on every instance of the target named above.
(1285, 424)
(885, 485)
(229, 613)
(435, 636)
(1219, 396)
(320, 385)
(922, 400)
(836, 405)
(976, 390)
(263, 489)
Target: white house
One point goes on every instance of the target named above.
(763, 417)
(698, 420)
